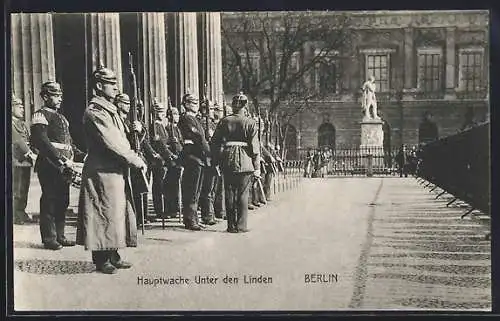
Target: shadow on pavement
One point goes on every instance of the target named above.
(37, 266)
(28, 245)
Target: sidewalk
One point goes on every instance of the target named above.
(369, 243)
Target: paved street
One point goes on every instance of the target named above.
(374, 243)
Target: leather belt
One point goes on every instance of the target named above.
(61, 146)
(234, 143)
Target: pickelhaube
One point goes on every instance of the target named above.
(122, 98)
(51, 88)
(189, 98)
(158, 107)
(239, 100)
(16, 101)
(103, 74)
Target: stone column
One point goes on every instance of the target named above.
(32, 53)
(409, 63)
(183, 71)
(105, 43)
(154, 59)
(211, 55)
(409, 85)
(450, 63)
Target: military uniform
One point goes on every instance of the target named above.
(208, 189)
(194, 159)
(160, 145)
(106, 214)
(236, 148)
(50, 135)
(21, 166)
(174, 172)
(147, 153)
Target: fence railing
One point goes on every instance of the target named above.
(351, 161)
(460, 165)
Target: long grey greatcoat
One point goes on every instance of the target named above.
(106, 217)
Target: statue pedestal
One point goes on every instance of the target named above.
(372, 145)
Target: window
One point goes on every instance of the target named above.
(326, 74)
(430, 69)
(377, 64)
(471, 69)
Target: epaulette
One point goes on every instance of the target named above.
(39, 118)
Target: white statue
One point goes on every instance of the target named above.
(369, 99)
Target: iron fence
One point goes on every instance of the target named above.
(352, 161)
(460, 165)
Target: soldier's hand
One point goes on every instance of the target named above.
(256, 173)
(32, 156)
(137, 126)
(138, 162)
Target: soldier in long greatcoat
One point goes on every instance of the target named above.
(106, 218)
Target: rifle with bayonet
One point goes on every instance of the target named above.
(138, 177)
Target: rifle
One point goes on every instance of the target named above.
(138, 176)
(32, 103)
(205, 98)
(224, 110)
(169, 110)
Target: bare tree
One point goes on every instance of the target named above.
(270, 54)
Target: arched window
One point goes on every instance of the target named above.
(290, 141)
(326, 135)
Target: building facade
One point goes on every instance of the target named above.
(171, 53)
(423, 61)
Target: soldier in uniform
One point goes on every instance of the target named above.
(220, 202)
(207, 195)
(22, 161)
(122, 101)
(51, 137)
(237, 137)
(194, 159)
(172, 181)
(160, 145)
(106, 216)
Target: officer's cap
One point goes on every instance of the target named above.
(239, 100)
(189, 98)
(16, 101)
(51, 88)
(103, 74)
(122, 98)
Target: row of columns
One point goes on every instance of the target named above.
(33, 59)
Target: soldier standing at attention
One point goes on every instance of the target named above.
(207, 196)
(174, 171)
(106, 217)
(195, 154)
(22, 161)
(237, 136)
(122, 101)
(160, 145)
(220, 202)
(51, 137)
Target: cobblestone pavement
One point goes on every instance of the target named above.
(378, 243)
